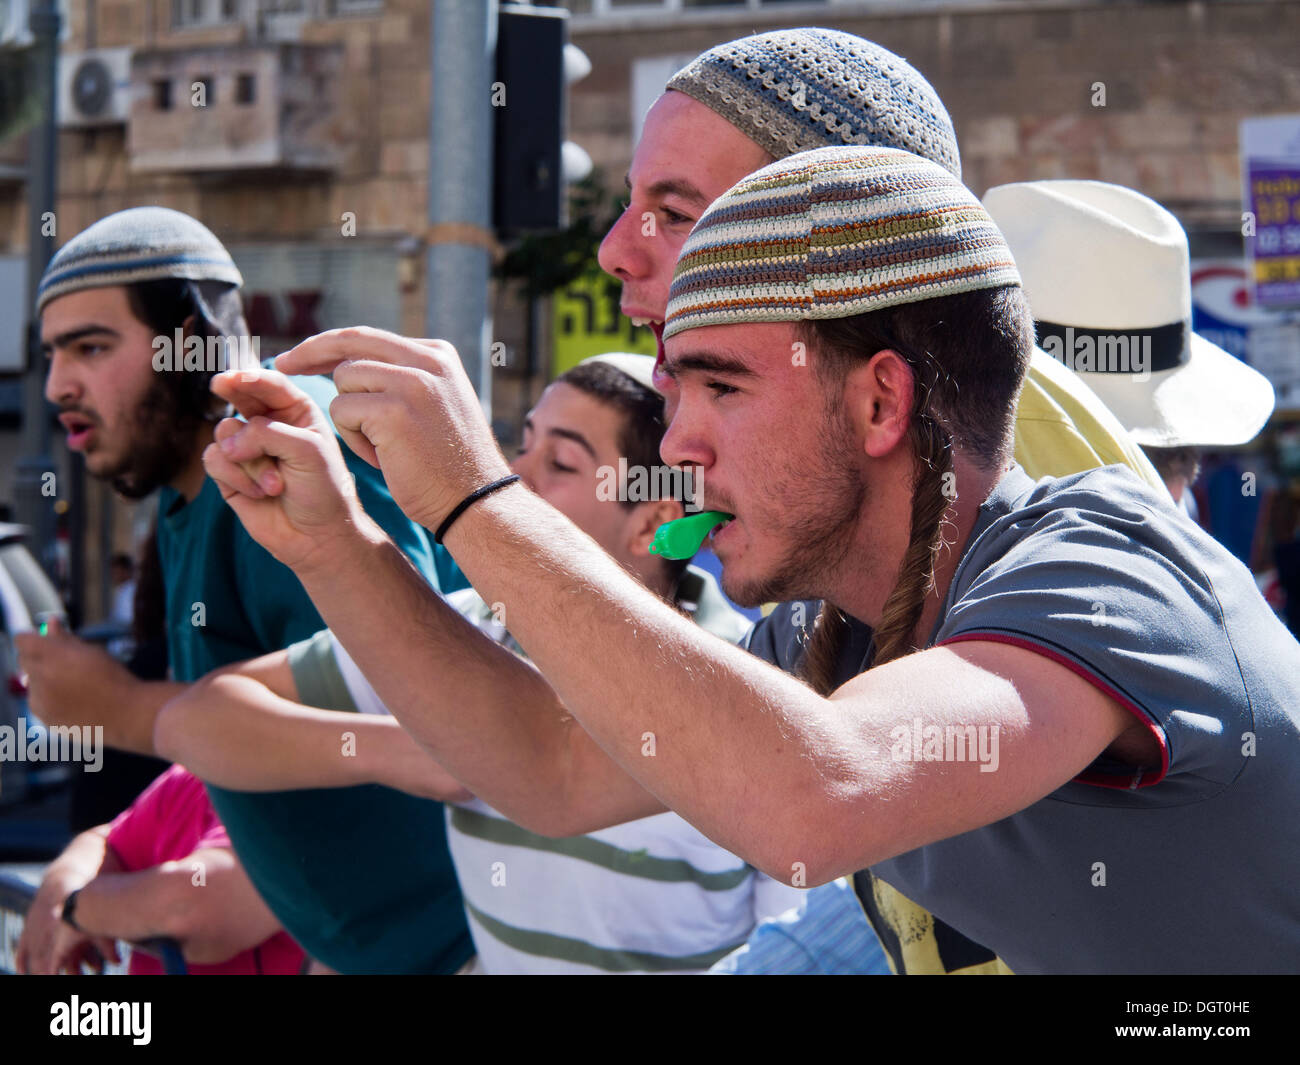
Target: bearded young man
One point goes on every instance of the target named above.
(729, 113)
(1138, 696)
(120, 306)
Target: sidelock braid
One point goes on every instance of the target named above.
(824, 648)
(932, 446)
(902, 610)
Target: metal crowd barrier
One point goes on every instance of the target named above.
(16, 896)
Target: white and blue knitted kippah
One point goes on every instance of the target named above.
(793, 90)
(138, 244)
(834, 233)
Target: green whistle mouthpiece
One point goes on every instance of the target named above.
(683, 537)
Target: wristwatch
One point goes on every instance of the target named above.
(69, 914)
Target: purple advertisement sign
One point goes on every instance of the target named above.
(1275, 201)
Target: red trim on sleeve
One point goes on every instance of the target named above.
(1103, 780)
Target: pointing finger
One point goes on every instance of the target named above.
(265, 393)
(323, 352)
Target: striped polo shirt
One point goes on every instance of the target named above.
(649, 896)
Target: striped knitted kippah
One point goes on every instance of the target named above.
(138, 244)
(833, 233)
(794, 90)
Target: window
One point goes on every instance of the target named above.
(195, 14)
(599, 8)
(356, 7)
(192, 14)
(245, 88)
(162, 94)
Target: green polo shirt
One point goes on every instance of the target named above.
(360, 876)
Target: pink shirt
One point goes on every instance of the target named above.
(171, 819)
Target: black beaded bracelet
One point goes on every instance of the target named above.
(69, 912)
(465, 503)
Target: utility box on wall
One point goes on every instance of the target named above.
(231, 109)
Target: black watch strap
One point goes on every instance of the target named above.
(69, 914)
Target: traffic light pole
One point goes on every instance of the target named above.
(460, 184)
(34, 491)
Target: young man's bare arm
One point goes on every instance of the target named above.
(73, 682)
(204, 901)
(241, 728)
(752, 757)
(756, 760)
(487, 716)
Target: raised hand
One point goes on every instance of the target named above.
(282, 471)
(406, 406)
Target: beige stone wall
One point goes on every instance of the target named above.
(381, 127)
(1018, 80)
(1016, 77)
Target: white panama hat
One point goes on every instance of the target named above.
(1107, 274)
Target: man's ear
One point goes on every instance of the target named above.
(190, 326)
(645, 521)
(878, 397)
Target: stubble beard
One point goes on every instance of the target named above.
(161, 444)
(821, 509)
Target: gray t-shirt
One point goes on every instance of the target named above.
(1193, 866)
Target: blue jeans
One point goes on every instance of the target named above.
(826, 934)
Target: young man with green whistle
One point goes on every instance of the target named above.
(1070, 697)
(741, 105)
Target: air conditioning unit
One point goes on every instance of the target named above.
(95, 87)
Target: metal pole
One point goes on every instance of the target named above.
(460, 183)
(32, 491)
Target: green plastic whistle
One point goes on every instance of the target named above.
(683, 537)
